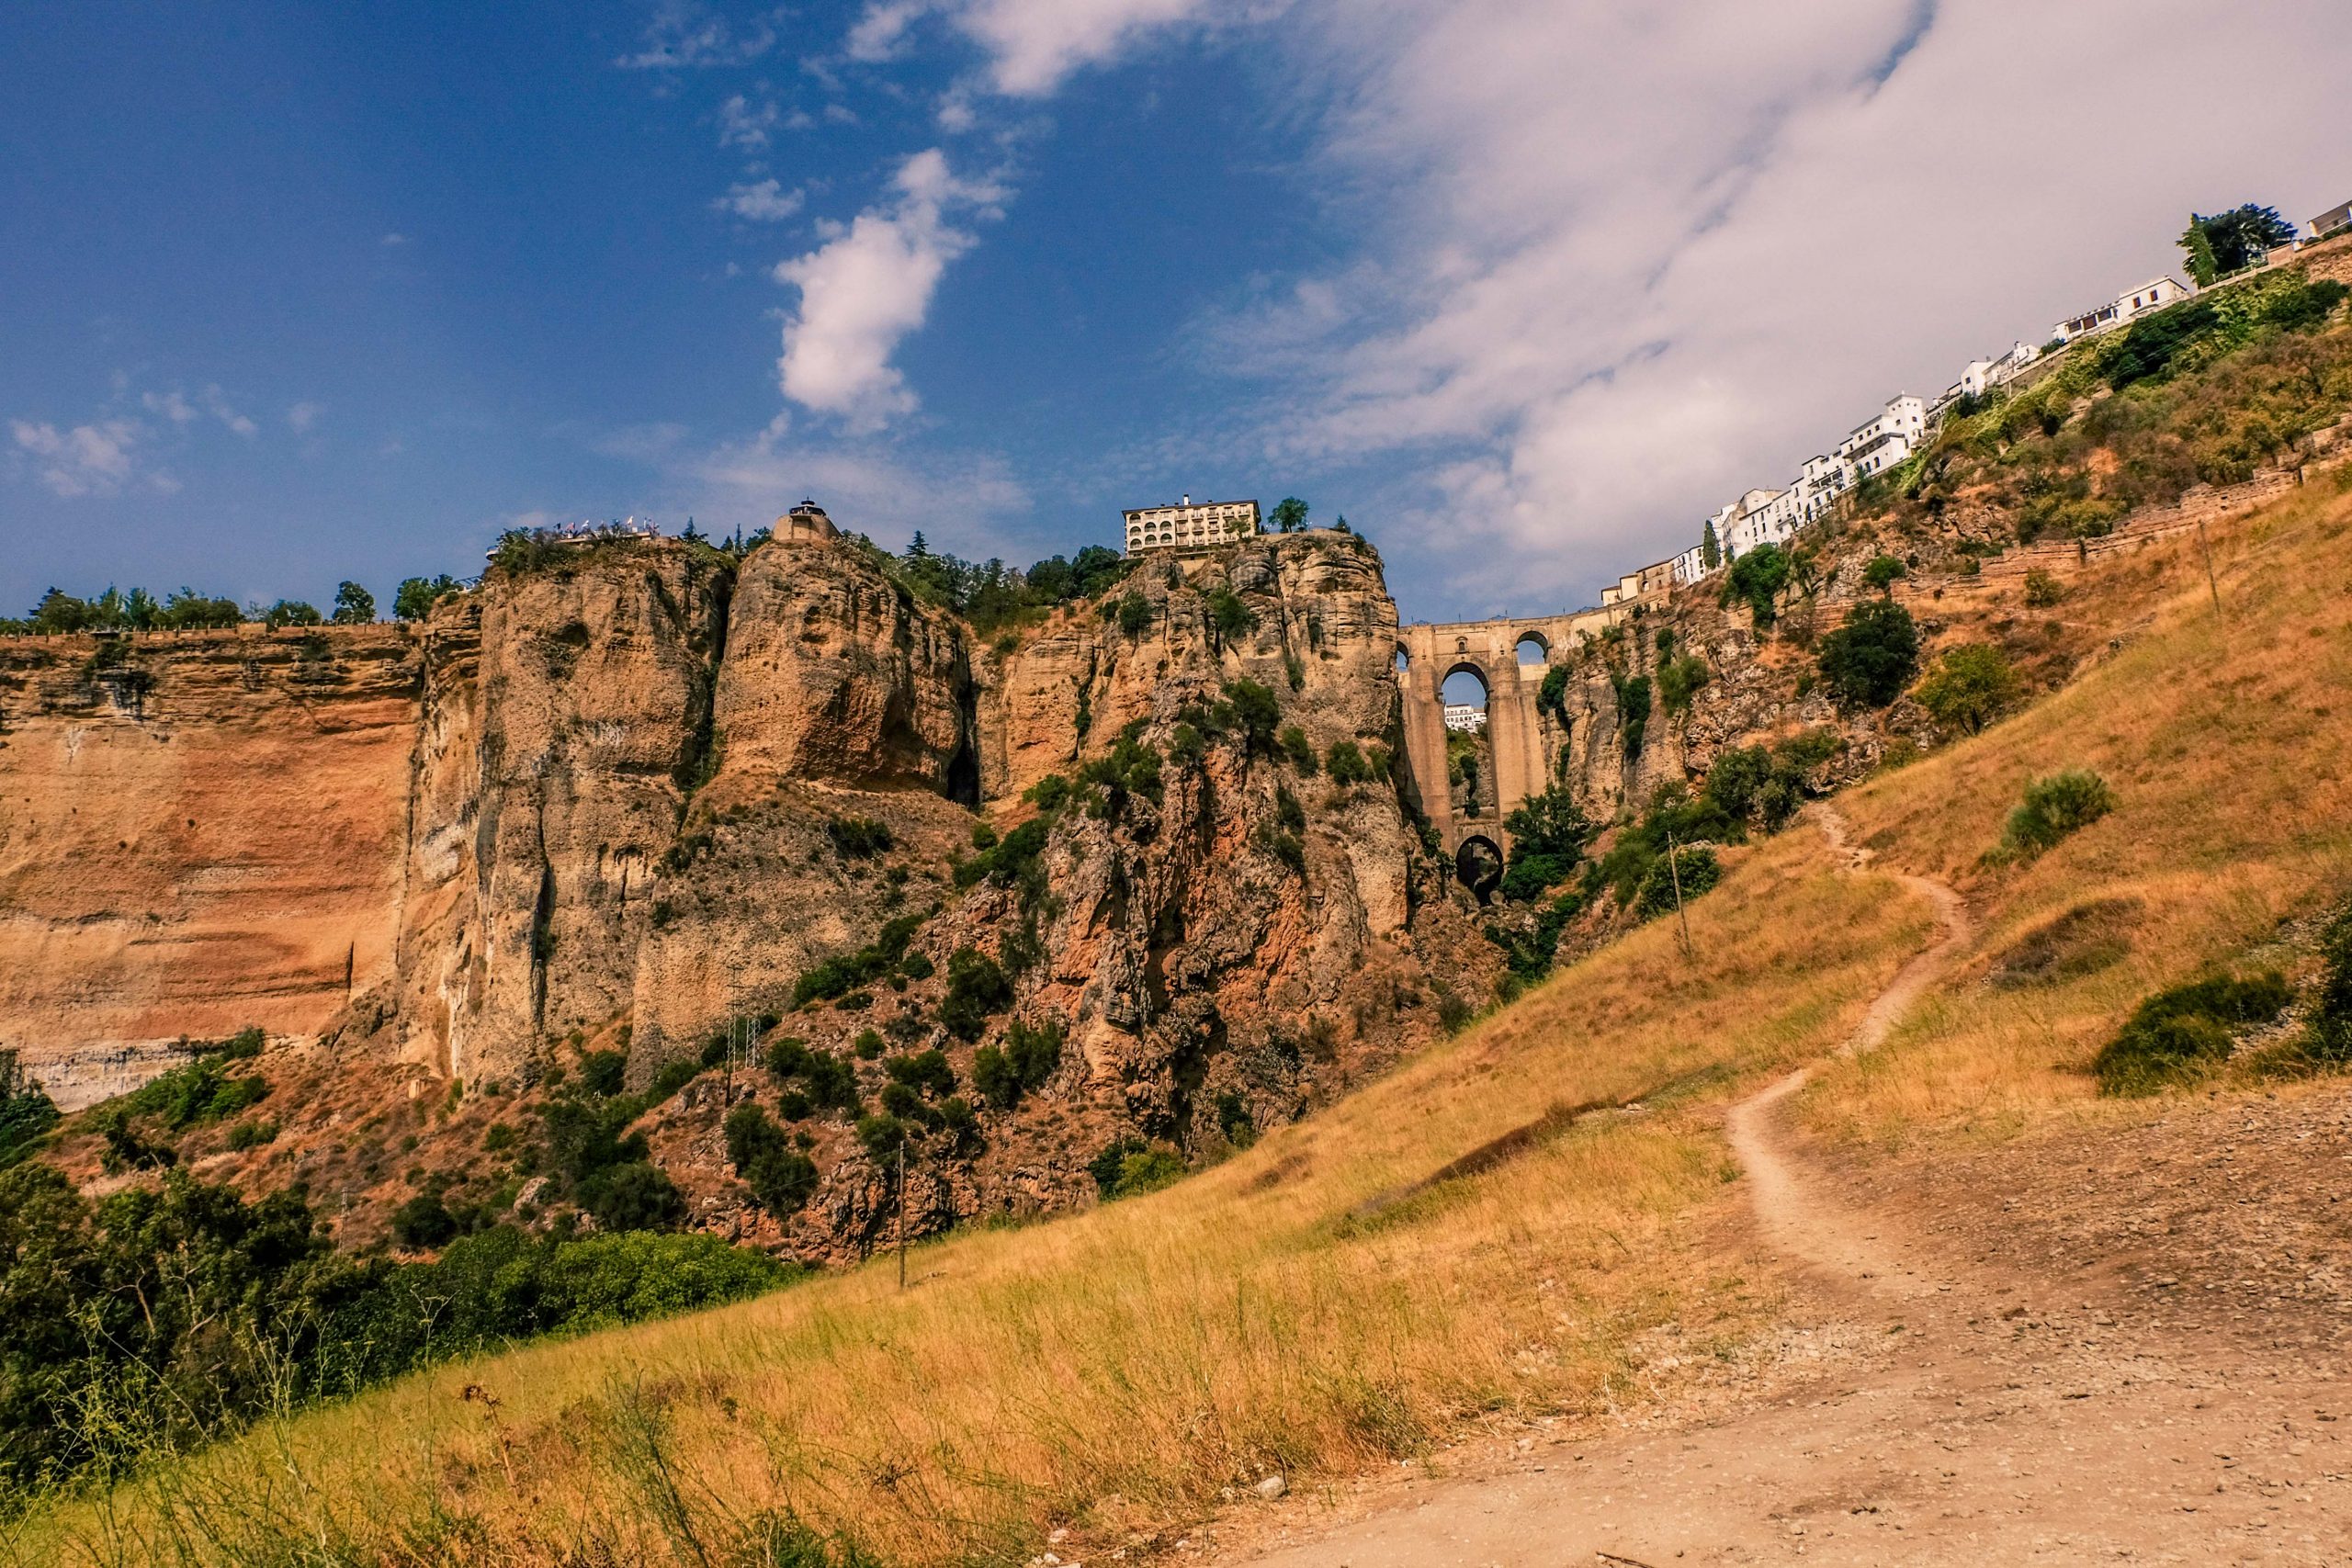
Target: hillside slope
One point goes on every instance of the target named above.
(1437, 1250)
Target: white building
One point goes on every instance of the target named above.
(1882, 442)
(1464, 717)
(2153, 295)
(1186, 527)
(2332, 222)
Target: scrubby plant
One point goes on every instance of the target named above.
(1257, 714)
(1689, 871)
(1298, 749)
(1029, 1056)
(1756, 580)
(1134, 614)
(27, 1114)
(2042, 589)
(859, 837)
(2065, 803)
(977, 989)
(424, 1221)
(1345, 762)
(2173, 1036)
(1678, 681)
(1549, 831)
(1968, 687)
(2330, 1036)
(1882, 572)
(781, 1178)
(1868, 660)
(1228, 615)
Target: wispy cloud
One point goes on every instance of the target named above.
(764, 201)
(95, 459)
(301, 417)
(870, 284)
(745, 124)
(683, 34)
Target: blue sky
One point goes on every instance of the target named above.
(1523, 287)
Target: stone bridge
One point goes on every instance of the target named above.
(1428, 657)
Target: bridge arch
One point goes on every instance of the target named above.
(1479, 864)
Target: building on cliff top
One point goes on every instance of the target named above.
(1186, 527)
(805, 523)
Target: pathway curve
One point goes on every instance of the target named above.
(1998, 1413)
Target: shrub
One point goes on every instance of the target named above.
(859, 837)
(1108, 1160)
(1869, 660)
(600, 1073)
(27, 1114)
(2042, 589)
(1234, 1121)
(1134, 614)
(1756, 580)
(1968, 687)
(1678, 681)
(1289, 814)
(1549, 833)
(1632, 712)
(633, 1196)
(675, 1076)
(2171, 1037)
(415, 597)
(1256, 714)
(2054, 807)
(424, 1221)
(2330, 1037)
(1299, 749)
(839, 975)
(1028, 1057)
(781, 1178)
(977, 989)
(1882, 572)
(1227, 614)
(1148, 1172)
(1694, 865)
(291, 612)
(882, 1136)
(253, 1135)
(1346, 764)
(197, 1094)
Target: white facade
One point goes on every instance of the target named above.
(2153, 295)
(1188, 526)
(2334, 221)
(1464, 717)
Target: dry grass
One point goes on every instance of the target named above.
(1122, 1366)
(2227, 738)
(1116, 1370)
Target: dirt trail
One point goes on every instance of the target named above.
(1998, 1387)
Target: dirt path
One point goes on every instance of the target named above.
(2011, 1387)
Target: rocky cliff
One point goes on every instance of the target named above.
(641, 791)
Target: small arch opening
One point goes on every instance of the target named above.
(1479, 863)
(1534, 649)
(1469, 751)
(1404, 659)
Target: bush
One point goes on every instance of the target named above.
(1678, 681)
(859, 837)
(977, 989)
(1108, 1161)
(634, 1196)
(1299, 749)
(600, 1073)
(2042, 589)
(781, 1178)
(27, 1114)
(1346, 765)
(2054, 807)
(1148, 1172)
(2330, 1038)
(415, 597)
(2173, 1036)
(1869, 660)
(1256, 713)
(202, 1092)
(1968, 687)
(1134, 614)
(424, 1221)
(1693, 864)
(1632, 712)
(253, 1135)
(1756, 580)
(1028, 1057)
(1227, 614)
(1549, 833)
(844, 973)
(1882, 572)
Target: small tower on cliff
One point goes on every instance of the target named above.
(805, 524)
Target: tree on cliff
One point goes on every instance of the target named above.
(416, 597)
(1869, 660)
(354, 605)
(1711, 549)
(1289, 514)
(2221, 242)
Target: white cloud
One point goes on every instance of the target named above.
(881, 33)
(1034, 45)
(765, 201)
(685, 33)
(302, 416)
(870, 284)
(217, 407)
(742, 123)
(171, 405)
(392, 242)
(94, 459)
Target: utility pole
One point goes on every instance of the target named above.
(1674, 873)
(902, 1210)
(2211, 582)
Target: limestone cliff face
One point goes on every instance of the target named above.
(196, 830)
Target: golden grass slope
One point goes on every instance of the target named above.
(1118, 1369)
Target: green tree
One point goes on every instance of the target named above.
(290, 613)
(1968, 687)
(1229, 615)
(1756, 580)
(977, 989)
(2223, 242)
(1869, 660)
(354, 605)
(1135, 613)
(1882, 572)
(781, 1178)
(1289, 514)
(1711, 549)
(417, 595)
(1258, 713)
